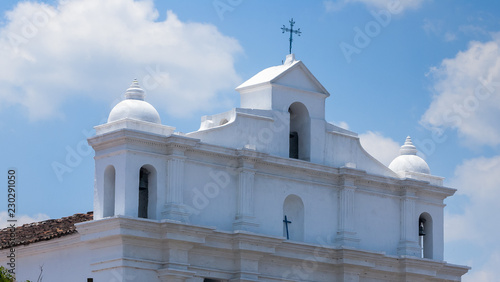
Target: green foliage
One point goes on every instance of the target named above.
(5, 276)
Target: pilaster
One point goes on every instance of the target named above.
(176, 269)
(408, 244)
(248, 267)
(346, 234)
(245, 219)
(348, 276)
(174, 207)
(126, 186)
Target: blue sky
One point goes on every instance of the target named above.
(425, 68)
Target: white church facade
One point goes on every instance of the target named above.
(269, 191)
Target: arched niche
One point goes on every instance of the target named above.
(293, 209)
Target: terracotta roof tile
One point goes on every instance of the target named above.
(43, 230)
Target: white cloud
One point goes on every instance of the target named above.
(472, 30)
(477, 179)
(466, 94)
(93, 49)
(342, 124)
(477, 227)
(436, 28)
(21, 219)
(333, 6)
(450, 36)
(382, 148)
(396, 5)
(432, 26)
(487, 272)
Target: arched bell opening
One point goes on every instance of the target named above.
(300, 132)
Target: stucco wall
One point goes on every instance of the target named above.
(62, 259)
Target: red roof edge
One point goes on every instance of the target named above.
(42, 231)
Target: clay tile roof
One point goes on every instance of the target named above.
(43, 230)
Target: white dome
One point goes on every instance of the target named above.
(408, 161)
(134, 107)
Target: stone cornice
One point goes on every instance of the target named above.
(252, 242)
(143, 228)
(444, 270)
(248, 158)
(126, 137)
(178, 142)
(298, 167)
(214, 151)
(253, 116)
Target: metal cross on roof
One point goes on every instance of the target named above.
(292, 31)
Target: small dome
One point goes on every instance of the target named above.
(134, 107)
(408, 161)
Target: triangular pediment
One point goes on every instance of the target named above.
(300, 77)
(292, 74)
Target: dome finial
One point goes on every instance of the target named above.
(408, 148)
(135, 91)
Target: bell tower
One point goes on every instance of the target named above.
(297, 99)
(127, 165)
